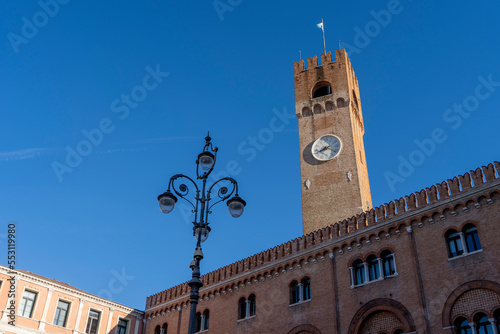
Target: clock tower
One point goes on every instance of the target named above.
(334, 175)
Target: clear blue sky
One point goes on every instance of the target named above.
(227, 71)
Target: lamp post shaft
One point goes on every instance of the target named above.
(195, 285)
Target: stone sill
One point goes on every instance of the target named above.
(376, 280)
(464, 255)
(251, 317)
(300, 303)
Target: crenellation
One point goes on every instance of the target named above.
(312, 62)
(497, 167)
(318, 236)
(432, 194)
(465, 181)
(411, 202)
(361, 218)
(380, 213)
(371, 217)
(352, 224)
(326, 58)
(477, 177)
(309, 240)
(454, 185)
(400, 206)
(443, 190)
(298, 67)
(489, 172)
(421, 198)
(344, 225)
(391, 210)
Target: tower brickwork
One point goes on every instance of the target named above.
(334, 179)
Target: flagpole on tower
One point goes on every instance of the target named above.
(321, 25)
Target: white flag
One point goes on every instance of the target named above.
(320, 25)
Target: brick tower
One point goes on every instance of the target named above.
(333, 167)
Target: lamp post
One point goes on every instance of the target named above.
(201, 209)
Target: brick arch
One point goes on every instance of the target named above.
(382, 305)
(448, 315)
(304, 329)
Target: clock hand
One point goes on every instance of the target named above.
(325, 148)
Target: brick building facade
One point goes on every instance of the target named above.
(424, 263)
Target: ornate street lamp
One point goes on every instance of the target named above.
(201, 208)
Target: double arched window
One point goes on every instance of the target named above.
(373, 269)
(246, 307)
(202, 321)
(481, 324)
(300, 292)
(462, 242)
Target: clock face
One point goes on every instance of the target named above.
(326, 147)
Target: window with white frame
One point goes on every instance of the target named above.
(300, 292)
(463, 242)
(373, 269)
(121, 328)
(246, 307)
(202, 321)
(93, 322)
(61, 314)
(27, 304)
(388, 263)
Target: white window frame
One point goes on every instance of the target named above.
(381, 272)
(98, 320)
(127, 329)
(33, 307)
(67, 313)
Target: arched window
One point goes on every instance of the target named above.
(294, 292)
(359, 272)
(306, 112)
(329, 105)
(197, 326)
(164, 328)
(471, 238)
(251, 305)
(157, 329)
(318, 109)
(306, 288)
(399, 331)
(340, 103)
(373, 268)
(242, 308)
(388, 263)
(454, 242)
(483, 324)
(462, 326)
(321, 89)
(204, 320)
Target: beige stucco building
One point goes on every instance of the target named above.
(31, 304)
